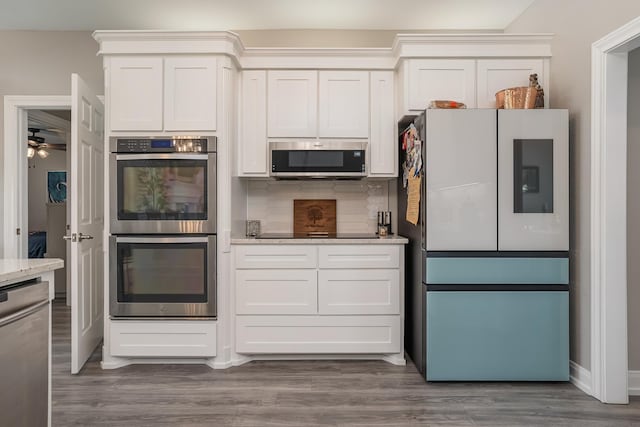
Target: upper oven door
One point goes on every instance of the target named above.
(318, 159)
(163, 193)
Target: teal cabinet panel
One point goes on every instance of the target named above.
(497, 336)
(496, 271)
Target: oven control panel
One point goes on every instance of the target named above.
(168, 145)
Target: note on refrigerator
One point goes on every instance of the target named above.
(413, 198)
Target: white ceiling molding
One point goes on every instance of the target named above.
(404, 46)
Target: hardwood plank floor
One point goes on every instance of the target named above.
(337, 393)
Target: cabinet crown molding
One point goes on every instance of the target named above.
(404, 46)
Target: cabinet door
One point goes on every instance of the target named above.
(135, 94)
(383, 152)
(318, 334)
(344, 104)
(533, 180)
(359, 292)
(276, 256)
(461, 180)
(497, 74)
(292, 103)
(253, 146)
(433, 79)
(359, 256)
(276, 291)
(190, 93)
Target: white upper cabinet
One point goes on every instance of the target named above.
(135, 93)
(252, 147)
(344, 104)
(292, 109)
(533, 180)
(441, 79)
(176, 93)
(383, 152)
(190, 93)
(497, 74)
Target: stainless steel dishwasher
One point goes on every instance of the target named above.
(24, 357)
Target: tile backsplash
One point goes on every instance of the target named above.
(357, 203)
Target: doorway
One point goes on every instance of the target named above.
(47, 209)
(609, 336)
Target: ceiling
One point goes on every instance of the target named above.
(259, 14)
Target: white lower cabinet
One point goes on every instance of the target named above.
(154, 338)
(276, 292)
(317, 334)
(358, 292)
(332, 299)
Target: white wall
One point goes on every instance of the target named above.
(576, 25)
(37, 176)
(357, 203)
(633, 211)
(41, 63)
(330, 38)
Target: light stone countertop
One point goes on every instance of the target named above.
(15, 270)
(389, 240)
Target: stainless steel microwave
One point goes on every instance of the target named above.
(318, 159)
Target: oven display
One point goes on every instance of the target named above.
(161, 143)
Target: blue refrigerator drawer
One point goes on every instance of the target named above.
(497, 336)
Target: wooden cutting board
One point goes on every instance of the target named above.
(313, 216)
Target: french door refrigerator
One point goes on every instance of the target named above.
(487, 264)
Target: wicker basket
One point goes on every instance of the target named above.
(517, 98)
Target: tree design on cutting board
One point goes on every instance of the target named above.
(314, 214)
(152, 190)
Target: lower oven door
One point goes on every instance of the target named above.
(163, 276)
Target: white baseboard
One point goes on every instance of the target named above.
(580, 377)
(634, 383)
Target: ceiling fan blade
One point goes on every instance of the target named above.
(54, 147)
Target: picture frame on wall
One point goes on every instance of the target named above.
(57, 186)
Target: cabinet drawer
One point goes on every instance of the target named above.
(158, 338)
(359, 292)
(318, 334)
(276, 256)
(348, 256)
(276, 292)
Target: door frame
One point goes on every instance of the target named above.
(609, 339)
(15, 181)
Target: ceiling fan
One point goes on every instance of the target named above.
(38, 146)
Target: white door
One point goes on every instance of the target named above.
(292, 103)
(87, 222)
(343, 104)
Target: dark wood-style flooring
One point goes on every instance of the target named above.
(353, 393)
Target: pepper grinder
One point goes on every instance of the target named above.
(387, 222)
(382, 229)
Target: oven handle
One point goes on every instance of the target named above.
(163, 156)
(162, 239)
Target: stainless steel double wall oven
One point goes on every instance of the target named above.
(163, 227)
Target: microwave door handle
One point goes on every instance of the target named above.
(162, 239)
(162, 156)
